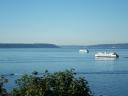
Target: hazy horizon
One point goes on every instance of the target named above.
(64, 22)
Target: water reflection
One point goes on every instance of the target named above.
(105, 64)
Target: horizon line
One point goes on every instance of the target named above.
(68, 44)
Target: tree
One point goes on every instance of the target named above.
(52, 84)
(3, 91)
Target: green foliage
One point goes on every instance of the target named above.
(52, 84)
(2, 90)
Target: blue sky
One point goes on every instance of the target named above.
(64, 22)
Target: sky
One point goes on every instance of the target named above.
(64, 22)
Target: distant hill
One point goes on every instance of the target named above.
(73, 46)
(14, 45)
(120, 45)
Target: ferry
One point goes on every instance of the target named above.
(107, 54)
(83, 51)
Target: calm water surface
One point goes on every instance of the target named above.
(105, 77)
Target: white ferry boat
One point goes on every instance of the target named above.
(107, 54)
(83, 51)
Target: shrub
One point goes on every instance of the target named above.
(2, 90)
(52, 84)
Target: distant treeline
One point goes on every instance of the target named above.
(11, 45)
(121, 46)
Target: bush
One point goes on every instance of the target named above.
(52, 84)
(2, 90)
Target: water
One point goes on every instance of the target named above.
(105, 77)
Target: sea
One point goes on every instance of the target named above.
(105, 76)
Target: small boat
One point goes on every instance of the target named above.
(107, 54)
(83, 51)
